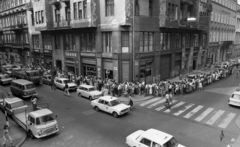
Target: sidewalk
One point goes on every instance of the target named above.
(136, 98)
(237, 141)
(17, 133)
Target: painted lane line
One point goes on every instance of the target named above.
(148, 102)
(183, 110)
(190, 114)
(227, 120)
(173, 107)
(214, 118)
(204, 114)
(162, 107)
(157, 103)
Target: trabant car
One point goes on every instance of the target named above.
(110, 105)
(46, 79)
(235, 98)
(88, 91)
(151, 138)
(60, 83)
(5, 79)
(12, 104)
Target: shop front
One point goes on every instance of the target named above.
(37, 60)
(146, 71)
(108, 68)
(89, 64)
(15, 56)
(48, 61)
(71, 62)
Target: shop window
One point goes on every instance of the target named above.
(196, 40)
(178, 40)
(146, 71)
(108, 74)
(87, 42)
(47, 41)
(107, 41)
(89, 70)
(125, 42)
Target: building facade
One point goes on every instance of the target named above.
(222, 31)
(236, 51)
(14, 35)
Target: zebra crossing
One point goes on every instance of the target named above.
(198, 113)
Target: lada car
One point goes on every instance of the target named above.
(151, 138)
(88, 91)
(5, 79)
(235, 98)
(12, 104)
(60, 83)
(46, 79)
(110, 105)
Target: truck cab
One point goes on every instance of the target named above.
(41, 123)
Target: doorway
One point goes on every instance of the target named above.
(59, 64)
(194, 64)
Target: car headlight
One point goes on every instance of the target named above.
(40, 133)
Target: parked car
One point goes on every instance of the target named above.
(151, 138)
(88, 91)
(5, 79)
(60, 83)
(46, 79)
(110, 105)
(235, 98)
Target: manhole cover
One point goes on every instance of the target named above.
(88, 112)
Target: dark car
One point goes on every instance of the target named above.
(46, 79)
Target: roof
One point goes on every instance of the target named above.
(22, 81)
(86, 86)
(40, 113)
(157, 136)
(12, 100)
(108, 97)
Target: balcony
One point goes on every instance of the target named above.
(67, 2)
(56, 3)
(189, 2)
(63, 23)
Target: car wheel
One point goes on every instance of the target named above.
(115, 114)
(96, 108)
(31, 134)
(90, 98)
(79, 94)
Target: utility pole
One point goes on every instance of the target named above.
(133, 51)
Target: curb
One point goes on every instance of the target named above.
(23, 139)
(137, 100)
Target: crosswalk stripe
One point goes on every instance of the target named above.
(195, 110)
(162, 107)
(216, 116)
(175, 106)
(227, 120)
(183, 110)
(204, 114)
(148, 102)
(157, 103)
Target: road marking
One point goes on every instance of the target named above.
(190, 114)
(175, 106)
(183, 110)
(216, 116)
(157, 103)
(227, 120)
(148, 102)
(162, 107)
(204, 114)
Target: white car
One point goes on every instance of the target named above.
(88, 91)
(151, 138)
(111, 105)
(235, 98)
(60, 83)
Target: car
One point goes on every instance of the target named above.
(12, 104)
(151, 138)
(60, 83)
(5, 79)
(235, 98)
(88, 91)
(110, 105)
(46, 79)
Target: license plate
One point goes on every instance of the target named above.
(49, 130)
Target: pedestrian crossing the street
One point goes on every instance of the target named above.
(198, 113)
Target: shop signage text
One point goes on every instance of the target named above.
(47, 51)
(88, 54)
(69, 54)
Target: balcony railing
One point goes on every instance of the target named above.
(62, 23)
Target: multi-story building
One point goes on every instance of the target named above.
(236, 51)
(222, 31)
(14, 42)
(122, 40)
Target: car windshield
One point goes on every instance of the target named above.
(115, 102)
(236, 96)
(44, 119)
(17, 104)
(66, 81)
(92, 89)
(29, 86)
(171, 143)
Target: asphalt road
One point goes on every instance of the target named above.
(81, 126)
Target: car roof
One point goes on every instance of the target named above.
(236, 92)
(157, 136)
(22, 81)
(41, 112)
(86, 86)
(12, 100)
(108, 98)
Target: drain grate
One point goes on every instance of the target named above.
(88, 112)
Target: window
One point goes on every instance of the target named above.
(47, 41)
(164, 41)
(204, 39)
(67, 13)
(125, 42)
(80, 10)
(136, 8)
(42, 16)
(87, 42)
(150, 8)
(85, 9)
(36, 44)
(178, 41)
(146, 41)
(107, 41)
(188, 40)
(146, 142)
(39, 17)
(36, 16)
(57, 41)
(32, 18)
(109, 7)
(74, 10)
(57, 15)
(69, 42)
(196, 40)
(101, 101)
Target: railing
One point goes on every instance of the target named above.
(62, 23)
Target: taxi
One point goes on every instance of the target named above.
(110, 105)
(235, 98)
(151, 138)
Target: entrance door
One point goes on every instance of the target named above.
(59, 64)
(165, 67)
(194, 64)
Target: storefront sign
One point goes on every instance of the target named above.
(88, 54)
(47, 51)
(36, 50)
(71, 54)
